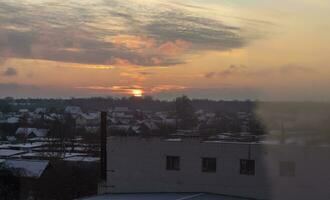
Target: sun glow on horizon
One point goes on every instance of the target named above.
(137, 92)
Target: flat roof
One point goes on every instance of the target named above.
(27, 145)
(163, 196)
(9, 152)
(82, 159)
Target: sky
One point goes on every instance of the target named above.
(216, 49)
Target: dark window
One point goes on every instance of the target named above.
(209, 164)
(247, 167)
(287, 168)
(172, 162)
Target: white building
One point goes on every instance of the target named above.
(73, 110)
(251, 170)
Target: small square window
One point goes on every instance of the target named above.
(247, 167)
(209, 164)
(173, 163)
(287, 168)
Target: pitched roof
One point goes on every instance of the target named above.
(27, 168)
(35, 131)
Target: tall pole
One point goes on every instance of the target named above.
(103, 174)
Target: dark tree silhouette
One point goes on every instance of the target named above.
(185, 113)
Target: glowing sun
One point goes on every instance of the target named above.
(137, 92)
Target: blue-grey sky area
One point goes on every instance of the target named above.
(218, 49)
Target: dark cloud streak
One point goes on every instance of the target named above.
(77, 32)
(10, 71)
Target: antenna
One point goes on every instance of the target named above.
(282, 133)
(103, 141)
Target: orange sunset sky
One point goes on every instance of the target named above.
(217, 49)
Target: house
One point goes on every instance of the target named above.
(31, 132)
(24, 111)
(123, 113)
(73, 110)
(11, 138)
(40, 110)
(13, 120)
(19, 178)
(147, 127)
(53, 117)
(88, 119)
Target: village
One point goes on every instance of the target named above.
(37, 145)
(44, 146)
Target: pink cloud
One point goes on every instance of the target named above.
(174, 48)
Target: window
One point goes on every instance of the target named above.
(247, 167)
(287, 168)
(173, 163)
(209, 164)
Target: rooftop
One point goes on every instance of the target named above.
(9, 152)
(27, 168)
(163, 196)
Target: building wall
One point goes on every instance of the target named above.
(138, 165)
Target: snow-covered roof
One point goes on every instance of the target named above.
(4, 146)
(163, 196)
(27, 168)
(27, 145)
(9, 152)
(82, 159)
(150, 125)
(11, 138)
(173, 140)
(13, 120)
(73, 110)
(40, 110)
(51, 154)
(90, 116)
(35, 131)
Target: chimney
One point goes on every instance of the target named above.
(103, 174)
(283, 136)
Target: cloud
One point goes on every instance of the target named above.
(15, 89)
(166, 88)
(133, 42)
(293, 69)
(2, 60)
(223, 93)
(284, 70)
(210, 74)
(19, 90)
(234, 70)
(125, 90)
(143, 73)
(202, 33)
(105, 32)
(10, 71)
(231, 70)
(128, 90)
